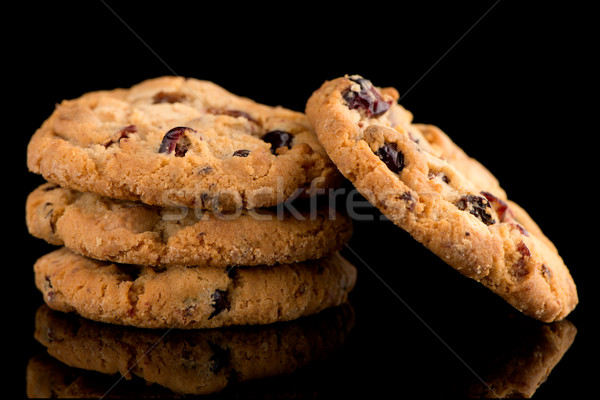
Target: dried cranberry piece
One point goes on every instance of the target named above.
(406, 196)
(122, 134)
(176, 140)
(220, 302)
(499, 206)
(168, 97)
(241, 153)
(188, 311)
(519, 228)
(391, 156)
(477, 206)
(367, 98)
(504, 212)
(278, 139)
(232, 113)
(520, 269)
(546, 272)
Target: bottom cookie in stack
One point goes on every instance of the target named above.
(191, 297)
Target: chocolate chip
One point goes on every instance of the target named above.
(477, 206)
(241, 153)
(391, 156)
(277, 139)
(220, 302)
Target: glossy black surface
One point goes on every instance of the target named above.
(509, 86)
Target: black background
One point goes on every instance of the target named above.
(512, 84)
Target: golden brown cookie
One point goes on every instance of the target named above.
(184, 142)
(136, 233)
(191, 297)
(447, 201)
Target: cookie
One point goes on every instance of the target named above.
(193, 361)
(185, 142)
(135, 233)
(447, 201)
(191, 297)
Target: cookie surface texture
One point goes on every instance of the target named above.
(191, 297)
(423, 182)
(180, 142)
(135, 233)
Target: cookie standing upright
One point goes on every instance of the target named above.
(183, 142)
(446, 200)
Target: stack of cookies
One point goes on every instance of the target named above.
(172, 201)
(181, 177)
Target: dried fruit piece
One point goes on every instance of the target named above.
(168, 97)
(122, 134)
(365, 97)
(406, 196)
(176, 140)
(546, 272)
(477, 206)
(500, 206)
(520, 267)
(391, 156)
(241, 153)
(504, 212)
(278, 139)
(220, 302)
(232, 113)
(441, 175)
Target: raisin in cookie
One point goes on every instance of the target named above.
(447, 201)
(175, 141)
(135, 233)
(191, 297)
(193, 361)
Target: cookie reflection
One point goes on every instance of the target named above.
(518, 369)
(185, 362)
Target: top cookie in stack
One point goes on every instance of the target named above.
(176, 176)
(184, 142)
